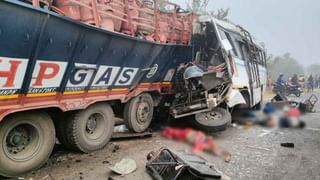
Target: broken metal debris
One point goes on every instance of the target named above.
(124, 167)
(310, 103)
(279, 101)
(165, 164)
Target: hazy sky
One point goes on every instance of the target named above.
(284, 25)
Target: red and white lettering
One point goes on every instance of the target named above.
(48, 74)
(12, 72)
(47, 71)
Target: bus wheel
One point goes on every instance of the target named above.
(213, 121)
(138, 113)
(90, 129)
(27, 142)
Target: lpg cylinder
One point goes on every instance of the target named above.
(106, 21)
(146, 18)
(69, 8)
(86, 14)
(163, 27)
(178, 26)
(187, 28)
(130, 27)
(118, 7)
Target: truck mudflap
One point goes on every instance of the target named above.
(47, 60)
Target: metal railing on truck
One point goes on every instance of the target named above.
(163, 22)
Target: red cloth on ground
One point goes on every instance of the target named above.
(198, 139)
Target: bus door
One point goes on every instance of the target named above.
(252, 66)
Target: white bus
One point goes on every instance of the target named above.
(248, 60)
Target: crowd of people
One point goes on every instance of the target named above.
(312, 82)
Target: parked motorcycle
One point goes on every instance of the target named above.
(288, 90)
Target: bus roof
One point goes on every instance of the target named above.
(228, 25)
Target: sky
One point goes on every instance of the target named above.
(283, 25)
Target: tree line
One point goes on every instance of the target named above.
(288, 65)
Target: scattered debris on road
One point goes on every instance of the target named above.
(124, 167)
(166, 164)
(287, 145)
(279, 101)
(310, 103)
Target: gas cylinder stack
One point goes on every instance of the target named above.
(139, 18)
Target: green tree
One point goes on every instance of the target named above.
(283, 64)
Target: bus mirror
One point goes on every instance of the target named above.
(226, 45)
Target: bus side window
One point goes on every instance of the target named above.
(261, 57)
(233, 51)
(225, 35)
(244, 51)
(238, 49)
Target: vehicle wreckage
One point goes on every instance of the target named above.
(206, 88)
(68, 67)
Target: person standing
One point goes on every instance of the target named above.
(310, 83)
(295, 80)
(269, 82)
(280, 80)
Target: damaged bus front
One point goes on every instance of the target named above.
(205, 89)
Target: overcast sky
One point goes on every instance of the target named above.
(284, 25)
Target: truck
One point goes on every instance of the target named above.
(68, 68)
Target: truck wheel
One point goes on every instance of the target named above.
(90, 129)
(138, 113)
(213, 121)
(61, 133)
(27, 142)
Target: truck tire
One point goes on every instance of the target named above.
(213, 121)
(27, 142)
(138, 113)
(90, 129)
(61, 131)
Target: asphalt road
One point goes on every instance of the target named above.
(256, 154)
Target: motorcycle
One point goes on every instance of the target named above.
(288, 89)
